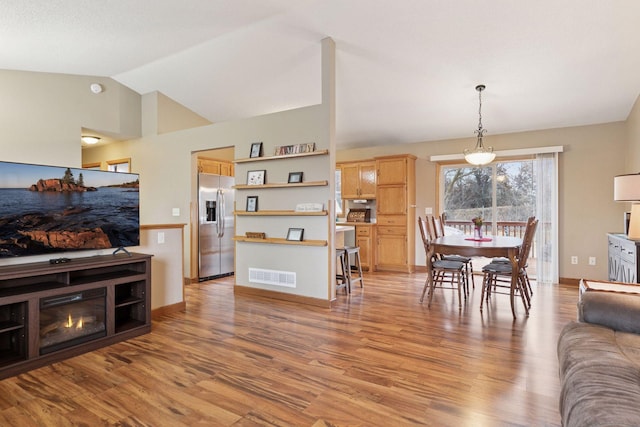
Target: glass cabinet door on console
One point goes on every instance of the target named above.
(13, 334)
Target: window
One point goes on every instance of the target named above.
(502, 193)
(339, 202)
(93, 166)
(121, 165)
(537, 195)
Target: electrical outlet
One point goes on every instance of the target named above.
(428, 211)
(160, 237)
(574, 260)
(592, 260)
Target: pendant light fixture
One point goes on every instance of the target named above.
(480, 155)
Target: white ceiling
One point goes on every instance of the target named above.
(406, 69)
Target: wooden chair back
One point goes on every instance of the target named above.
(437, 225)
(527, 242)
(424, 232)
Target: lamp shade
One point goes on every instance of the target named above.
(626, 188)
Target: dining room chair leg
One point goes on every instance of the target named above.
(486, 283)
(424, 289)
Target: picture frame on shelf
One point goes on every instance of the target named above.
(294, 178)
(295, 234)
(256, 177)
(256, 150)
(252, 203)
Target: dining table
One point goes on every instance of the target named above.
(490, 247)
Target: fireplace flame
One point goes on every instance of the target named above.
(70, 323)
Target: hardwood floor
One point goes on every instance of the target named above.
(378, 358)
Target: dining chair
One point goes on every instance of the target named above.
(441, 269)
(438, 227)
(506, 260)
(498, 274)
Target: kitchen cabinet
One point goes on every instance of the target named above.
(215, 166)
(395, 212)
(358, 180)
(364, 240)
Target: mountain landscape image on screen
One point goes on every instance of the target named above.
(49, 209)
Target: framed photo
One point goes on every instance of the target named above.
(294, 177)
(252, 203)
(256, 177)
(256, 150)
(295, 234)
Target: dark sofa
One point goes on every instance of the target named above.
(599, 361)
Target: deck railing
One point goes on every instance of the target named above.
(505, 228)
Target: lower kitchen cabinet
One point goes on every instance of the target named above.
(364, 240)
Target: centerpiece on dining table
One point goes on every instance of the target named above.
(477, 227)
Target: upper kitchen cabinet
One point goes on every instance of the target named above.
(358, 180)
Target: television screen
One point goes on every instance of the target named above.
(49, 209)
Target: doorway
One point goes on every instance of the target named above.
(504, 194)
(212, 239)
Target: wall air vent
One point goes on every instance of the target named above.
(272, 277)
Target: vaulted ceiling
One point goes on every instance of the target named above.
(406, 69)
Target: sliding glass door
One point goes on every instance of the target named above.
(505, 194)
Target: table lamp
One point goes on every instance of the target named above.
(626, 188)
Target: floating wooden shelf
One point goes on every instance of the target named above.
(280, 241)
(280, 213)
(282, 185)
(285, 156)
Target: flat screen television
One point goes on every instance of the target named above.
(52, 209)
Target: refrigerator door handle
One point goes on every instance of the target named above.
(221, 211)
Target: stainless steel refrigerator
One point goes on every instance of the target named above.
(215, 225)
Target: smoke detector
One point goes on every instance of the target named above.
(96, 87)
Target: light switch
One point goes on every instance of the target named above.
(160, 237)
(428, 211)
(175, 211)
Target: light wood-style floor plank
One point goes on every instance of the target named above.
(379, 357)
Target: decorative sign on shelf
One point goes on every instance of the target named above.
(255, 235)
(309, 207)
(282, 150)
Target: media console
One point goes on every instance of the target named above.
(50, 312)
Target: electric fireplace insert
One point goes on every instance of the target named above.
(72, 319)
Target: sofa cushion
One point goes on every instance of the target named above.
(600, 374)
(617, 310)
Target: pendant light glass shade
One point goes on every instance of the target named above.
(480, 155)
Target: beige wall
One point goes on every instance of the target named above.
(173, 116)
(43, 115)
(167, 272)
(593, 156)
(632, 159)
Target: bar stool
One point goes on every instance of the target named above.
(342, 271)
(356, 268)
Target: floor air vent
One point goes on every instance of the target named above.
(272, 277)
